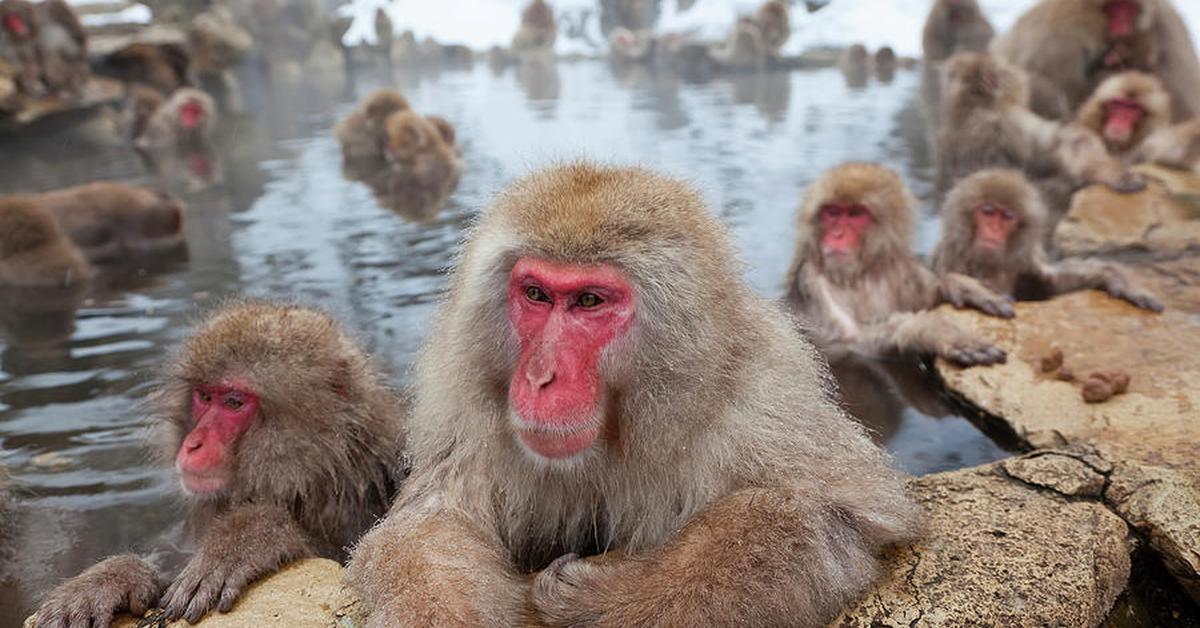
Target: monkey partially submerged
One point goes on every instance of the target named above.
(601, 377)
(287, 442)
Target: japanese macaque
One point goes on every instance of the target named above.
(1074, 44)
(856, 284)
(18, 45)
(626, 46)
(424, 147)
(538, 28)
(855, 64)
(601, 378)
(385, 32)
(287, 442)
(62, 48)
(217, 44)
(993, 225)
(114, 223)
(1131, 112)
(34, 251)
(161, 66)
(361, 133)
(745, 50)
(774, 26)
(186, 118)
(986, 122)
(955, 26)
(885, 64)
(141, 101)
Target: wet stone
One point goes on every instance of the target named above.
(999, 552)
(1150, 436)
(1163, 218)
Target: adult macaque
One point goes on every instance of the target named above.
(885, 64)
(538, 28)
(187, 118)
(955, 26)
(424, 148)
(114, 222)
(1074, 44)
(774, 26)
(34, 251)
(993, 225)
(856, 284)
(1131, 112)
(18, 45)
(855, 63)
(744, 51)
(62, 48)
(287, 442)
(986, 122)
(361, 133)
(601, 378)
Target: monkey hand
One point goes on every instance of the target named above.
(239, 547)
(963, 291)
(89, 600)
(1128, 183)
(965, 349)
(1137, 297)
(575, 592)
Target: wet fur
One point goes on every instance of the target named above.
(734, 487)
(34, 251)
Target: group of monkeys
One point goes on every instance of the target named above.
(607, 426)
(43, 51)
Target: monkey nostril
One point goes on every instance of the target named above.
(539, 379)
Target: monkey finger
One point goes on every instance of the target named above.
(232, 590)
(1130, 183)
(203, 600)
(175, 601)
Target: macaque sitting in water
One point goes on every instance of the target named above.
(186, 118)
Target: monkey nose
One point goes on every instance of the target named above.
(539, 372)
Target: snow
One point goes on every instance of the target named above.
(481, 24)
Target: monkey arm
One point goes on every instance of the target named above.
(771, 556)
(963, 291)
(1070, 275)
(927, 333)
(238, 547)
(1084, 157)
(120, 583)
(432, 567)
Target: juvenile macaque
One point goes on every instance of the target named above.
(62, 48)
(601, 378)
(18, 45)
(993, 225)
(1075, 44)
(361, 133)
(955, 26)
(1131, 112)
(856, 284)
(285, 440)
(186, 118)
(538, 28)
(34, 251)
(986, 122)
(114, 222)
(423, 147)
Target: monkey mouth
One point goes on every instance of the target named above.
(558, 444)
(202, 483)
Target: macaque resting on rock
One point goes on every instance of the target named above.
(1131, 112)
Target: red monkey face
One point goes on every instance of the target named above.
(564, 316)
(1122, 17)
(191, 114)
(220, 415)
(843, 226)
(994, 224)
(15, 25)
(1121, 119)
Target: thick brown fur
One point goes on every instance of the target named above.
(774, 26)
(314, 470)
(216, 41)
(62, 47)
(955, 26)
(735, 489)
(1023, 269)
(538, 28)
(424, 148)
(161, 66)
(986, 122)
(1065, 43)
(361, 133)
(34, 251)
(1155, 139)
(114, 222)
(871, 307)
(141, 101)
(164, 128)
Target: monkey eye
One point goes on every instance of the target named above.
(233, 402)
(203, 395)
(988, 209)
(589, 300)
(534, 293)
(856, 211)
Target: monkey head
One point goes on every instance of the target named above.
(977, 79)
(16, 17)
(854, 217)
(255, 385)
(995, 215)
(191, 114)
(382, 103)
(1125, 108)
(1124, 18)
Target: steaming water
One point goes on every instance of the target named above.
(283, 222)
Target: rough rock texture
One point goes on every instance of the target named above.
(1162, 218)
(1150, 437)
(306, 594)
(998, 552)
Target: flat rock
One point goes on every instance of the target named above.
(1161, 218)
(1000, 552)
(1150, 436)
(305, 594)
